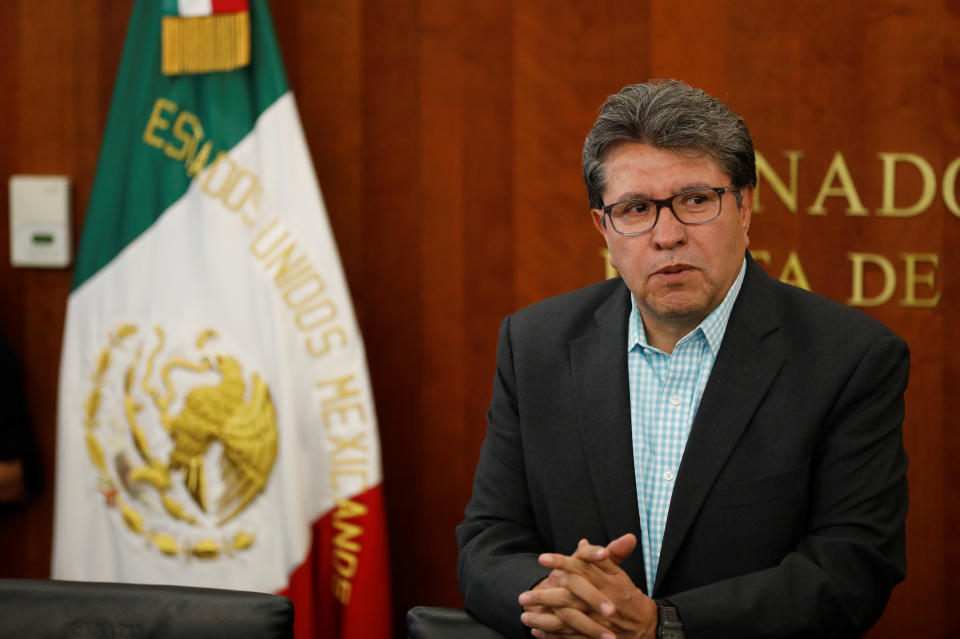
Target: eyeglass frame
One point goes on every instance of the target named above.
(668, 203)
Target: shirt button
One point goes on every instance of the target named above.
(675, 400)
(668, 475)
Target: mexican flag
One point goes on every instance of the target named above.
(215, 422)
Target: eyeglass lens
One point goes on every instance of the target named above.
(691, 207)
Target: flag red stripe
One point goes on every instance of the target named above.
(230, 6)
(336, 566)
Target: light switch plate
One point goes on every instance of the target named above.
(40, 220)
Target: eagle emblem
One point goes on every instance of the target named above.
(166, 468)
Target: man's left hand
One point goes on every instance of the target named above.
(590, 596)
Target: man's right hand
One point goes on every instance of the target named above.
(588, 595)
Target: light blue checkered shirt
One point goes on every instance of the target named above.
(665, 391)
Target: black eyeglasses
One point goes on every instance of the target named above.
(639, 215)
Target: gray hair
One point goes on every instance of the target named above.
(669, 114)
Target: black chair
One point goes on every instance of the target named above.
(428, 622)
(47, 609)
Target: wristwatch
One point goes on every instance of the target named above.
(669, 625)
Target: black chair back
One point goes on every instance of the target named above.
(47, 609)
(430, 622)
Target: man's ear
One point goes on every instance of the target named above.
(747, 195)
(599, 221)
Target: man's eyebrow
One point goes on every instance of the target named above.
(632, 195)
(640, 195)
(694, 185)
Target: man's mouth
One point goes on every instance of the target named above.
(671, 269)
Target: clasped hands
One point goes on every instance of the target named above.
(587, 594)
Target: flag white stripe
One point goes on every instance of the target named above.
(194, 8)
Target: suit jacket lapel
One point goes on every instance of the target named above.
(748, 361)
(598, 362)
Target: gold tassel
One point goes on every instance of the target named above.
(218, 42)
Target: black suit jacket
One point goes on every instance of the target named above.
(787, 516)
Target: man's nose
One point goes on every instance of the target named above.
(669, 232)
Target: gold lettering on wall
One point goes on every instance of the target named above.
(838, 182)
(766, 174)
(911, 278)
(919, 277)
(890, 161)
(792, 272)
(857, 296)
(838, 171)
(949, 186)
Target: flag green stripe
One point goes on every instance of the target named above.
(136, 182)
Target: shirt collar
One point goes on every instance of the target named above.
(712, 327)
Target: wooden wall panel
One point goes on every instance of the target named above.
(564, 51)
(947, 99)
(446, 138)
(57, 69)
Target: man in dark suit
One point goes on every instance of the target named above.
(694, 432)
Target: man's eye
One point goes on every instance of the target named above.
(637, 207)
